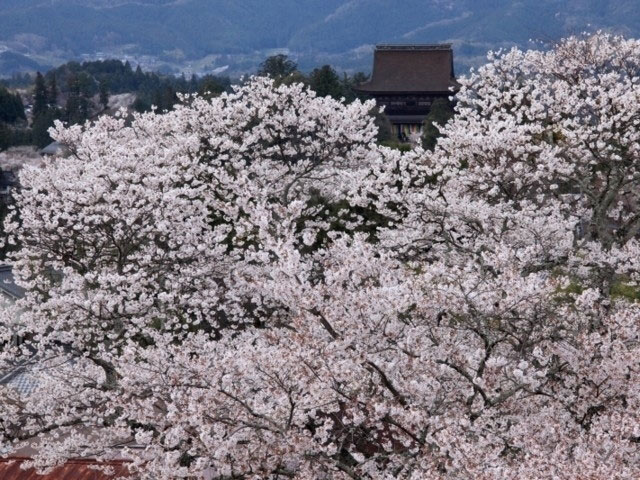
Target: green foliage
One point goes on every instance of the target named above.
(277, 67)
(621, 289)
(39, 135)
(53, 91)
(104, 94)
(45, 109)
(11, 107)
(11, 136)
(40, 95)
(20, 136)
(5, 136)
(140, 105)
(209, 86)
(76, 109)
(626, 291)
(385, 129)
(81, 87)
(295, 77)
(440, 113)
(282, 69)
(79, 82)
(326, 82)
(349, 83)
(161, 91)
(165, 98)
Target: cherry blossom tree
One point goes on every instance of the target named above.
(250, 288)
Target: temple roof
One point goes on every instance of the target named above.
(411, 69)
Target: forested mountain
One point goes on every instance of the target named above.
(314, 31)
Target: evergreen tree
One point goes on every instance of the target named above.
(350, 82)
(86, 85)
(41, 96)
(21, 136)
(139, 77)
(11, 107)
(5, 136)
(277, 67)
(295, 77)
(385, 129)
(78, 103)
(19, 107)
(193, 84)
(140, 105)
(165, 98)
(440, 113)
(104, 94)
(326, 82)
(41, 124)
(210, 87)
(72, 107)
(53, 91)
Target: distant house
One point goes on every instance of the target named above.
(406, 79)
(55, 149)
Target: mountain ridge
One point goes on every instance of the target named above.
(340, 32)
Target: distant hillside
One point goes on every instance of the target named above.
(241, 33)
(15, 63)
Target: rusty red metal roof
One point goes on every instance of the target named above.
(72, 470)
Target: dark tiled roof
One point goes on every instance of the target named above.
(7, 284)
(411, 68)
(72, 470)
(55, 149)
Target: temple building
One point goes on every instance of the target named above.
(406, 79)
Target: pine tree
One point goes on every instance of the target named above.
(5, 136)
(210, 87)
(165, 98)
(193, 84)
(19, 107)
(326, 82)
(53, 91)
(277, 67)
(41, 96)
(11, 107)
(72, 108)
(40, 129)
(139, 77)
(104, 94)
(78, 104)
